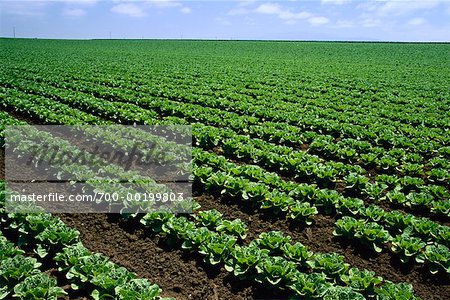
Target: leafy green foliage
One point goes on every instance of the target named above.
(392, 291)
(363, 281)
(267, 120)
(342, 293)
(438, 256)
(331, 264)
(137, 289)
(39, 287)
(369, 233)
(16, 268)
(407, 246)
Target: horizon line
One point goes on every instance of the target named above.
(224, 40)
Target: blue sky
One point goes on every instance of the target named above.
(389, 20)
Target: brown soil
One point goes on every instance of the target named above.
(319, 238)
(22, 117)
(339, 186)
(180, 274)
(184, 275)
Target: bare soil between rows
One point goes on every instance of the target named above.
(319, 238)
(180, 274)
(184, 275)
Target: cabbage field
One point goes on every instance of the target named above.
(320, 170)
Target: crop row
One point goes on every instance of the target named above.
(354, 201)
(393, 161)
(235, 186)
(406, 245)
(275, 109)
(303, 206)
(436, 174)
(250, 89)
(302, 165)
(49, 236)
(270, 267)
(68, 254)
(273, 259)
(20, 277)
(244, 180)
(346, 149)
(287, 83)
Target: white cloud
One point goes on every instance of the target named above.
(403, 7)
(389, 8)
(335, 2)
(288, 16)
(140, 8)
(129, 9)
(80, 2)
(238, 11)
(316, 21)
(164, 3)
(368, 6)
(396, 12)
(74, 12)
(23, 8)
(39, 8)
(269, 8)
(186, 10)
(417, 21)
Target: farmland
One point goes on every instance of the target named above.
(320, 169)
